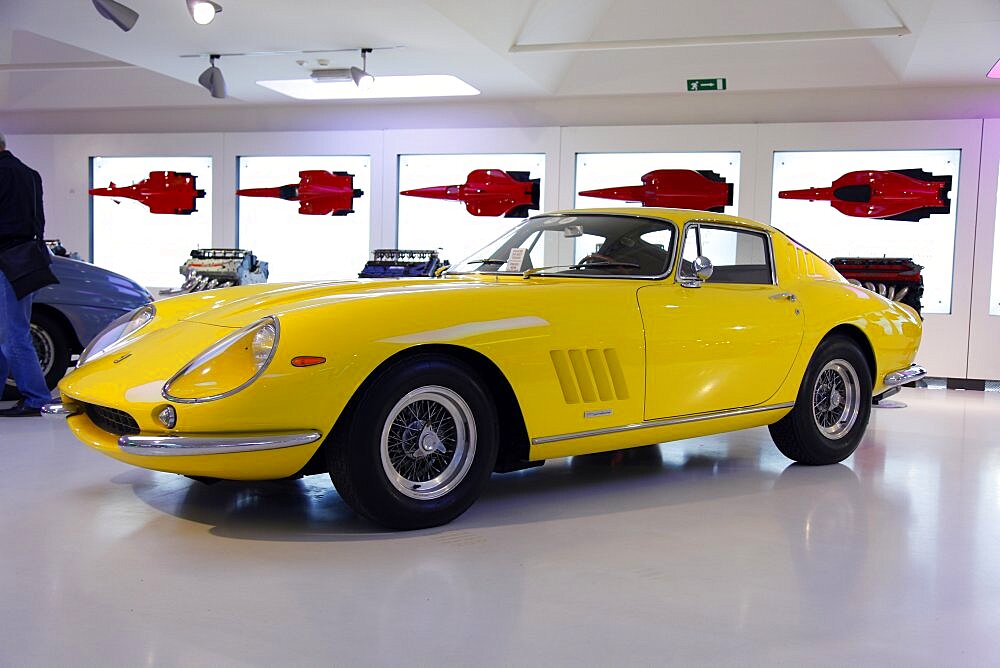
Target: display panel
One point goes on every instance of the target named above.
(708, 181)
(873, 204)
(459, 203)
(148, 213)
(308, 217)
(995, 284)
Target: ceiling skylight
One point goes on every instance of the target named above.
(422, 85)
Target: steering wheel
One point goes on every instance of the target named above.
(596, 256)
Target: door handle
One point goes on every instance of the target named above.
(784, 295)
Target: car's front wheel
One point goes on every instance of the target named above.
(420, 445)
(832, 408)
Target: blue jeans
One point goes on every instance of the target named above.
(17, 355)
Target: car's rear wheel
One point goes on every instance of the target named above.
(53, 347)
(832, 408)
(420, 444)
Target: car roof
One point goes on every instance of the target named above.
(679, 216)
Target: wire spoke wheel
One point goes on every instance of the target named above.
(428, 442)
(832, 406)
(836, 399)
(421, 443)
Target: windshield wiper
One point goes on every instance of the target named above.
(533, 272)
(490, 260)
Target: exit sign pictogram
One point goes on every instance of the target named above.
(706, 84)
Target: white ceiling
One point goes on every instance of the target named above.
(950, 43)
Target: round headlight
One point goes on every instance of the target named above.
(226, 367)
(116, 332)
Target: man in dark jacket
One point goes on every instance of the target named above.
(24, 268)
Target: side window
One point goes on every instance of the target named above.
(739, 256)
(690, 250)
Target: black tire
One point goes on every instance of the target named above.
(380, 464)
(842, 410)
(54, 351)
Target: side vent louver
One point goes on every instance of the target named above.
(589, 375)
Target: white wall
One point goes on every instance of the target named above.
(729, 107)
(960, 344)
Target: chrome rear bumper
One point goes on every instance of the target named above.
(904, 376)
(174, 446)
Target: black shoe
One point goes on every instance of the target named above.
(20, 410)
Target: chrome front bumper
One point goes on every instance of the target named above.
(173, 446)
(58, 410)
(904, 376)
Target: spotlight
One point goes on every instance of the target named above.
(203, 11)
(117, 13)
(211, 79)
(362, 79)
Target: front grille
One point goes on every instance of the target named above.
(112, 420)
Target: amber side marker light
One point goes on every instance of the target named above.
(306, 360)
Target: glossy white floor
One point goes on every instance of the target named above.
(713, 552)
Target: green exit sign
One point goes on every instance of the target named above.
(706, 84)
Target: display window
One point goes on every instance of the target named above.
(995, 284)
(308, 217)
(874, 204)
(685, 180)
(459, 203)
(147, 213)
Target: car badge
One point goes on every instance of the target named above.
(123, 358)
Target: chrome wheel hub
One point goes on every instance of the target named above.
(837, 399)
(428, 442)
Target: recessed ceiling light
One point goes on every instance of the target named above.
(360, 78)
(420, 85)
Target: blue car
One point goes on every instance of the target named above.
(65, 317)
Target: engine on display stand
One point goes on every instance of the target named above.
(896, 279)
(210, 268)
(395, 263)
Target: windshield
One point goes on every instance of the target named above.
(606, 245)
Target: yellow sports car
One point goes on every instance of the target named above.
(670, 324)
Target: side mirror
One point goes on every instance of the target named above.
(702, 267)
(701, 271)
